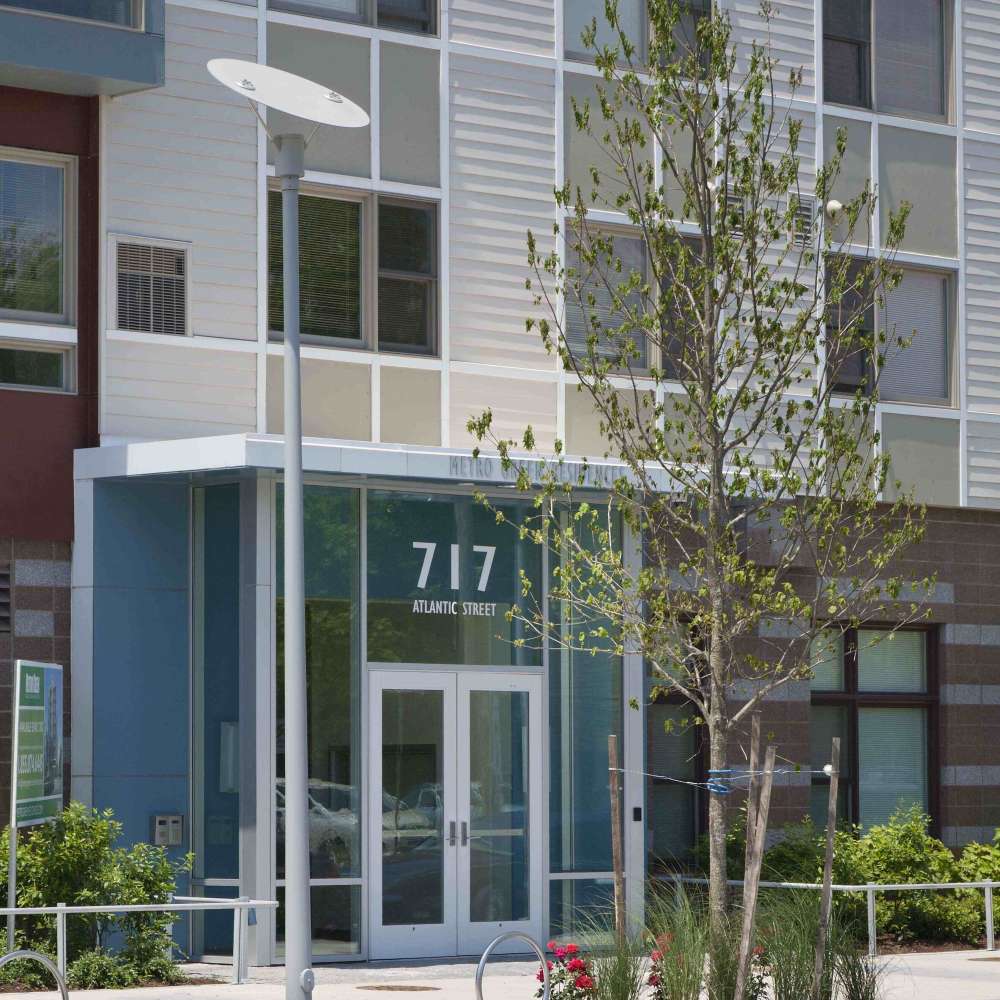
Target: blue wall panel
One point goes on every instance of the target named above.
(141, 651)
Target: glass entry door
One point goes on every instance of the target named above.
(456, 811)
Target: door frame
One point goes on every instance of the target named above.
(456, 935)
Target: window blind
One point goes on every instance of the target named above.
(892, 743)
(896, 663)
(151, 288)
(827, 657)
(917, 310)
(578, 310)
(32, 236)
(909, 56)
(406, 287)
(329, 267)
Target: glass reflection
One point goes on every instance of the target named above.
(498, 791)
(412, 807)
(333, 676)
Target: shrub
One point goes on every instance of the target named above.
(75, 860)
(95, 970)
(679, 932)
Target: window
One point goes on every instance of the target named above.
(33, 368)
(597, 318)
(334, 273)
(578, 14)
(407, 289)
(904, 72)
(919, 310)
(126, 13)
(875, 690)
(151, 288)
(35, 248)
(416, 16)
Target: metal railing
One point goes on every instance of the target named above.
(510, 936)
(869, 889)
(241, 907)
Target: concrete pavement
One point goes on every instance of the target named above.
(956, 975)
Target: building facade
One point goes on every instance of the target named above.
(458, 782)
(55, 60)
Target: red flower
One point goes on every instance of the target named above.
(572, 949)
(551, 946)
(656, 955)
(576, 965)
(541, 976)
(654, 980)
(583, 982)
(560, 952)
(758, 951)
(663, 941)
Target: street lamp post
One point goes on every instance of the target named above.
(304, 99)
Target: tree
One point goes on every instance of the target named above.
(734, 369)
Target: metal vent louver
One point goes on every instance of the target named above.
(152, 288)
(4, 597)
(805, 219)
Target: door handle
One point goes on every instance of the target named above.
(451, 834)
(465, 833)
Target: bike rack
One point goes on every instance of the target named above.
(44, 960)
(509, 936)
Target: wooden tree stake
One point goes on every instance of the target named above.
(751, 878)
(826, 893)
(616, 838)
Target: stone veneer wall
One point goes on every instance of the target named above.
(39, 630)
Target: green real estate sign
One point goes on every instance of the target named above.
(37, 779)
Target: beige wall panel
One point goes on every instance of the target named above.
(173, 390)
(410, 400)
(925, 457)
(336, 61)
(982, 276)
(515, 25)
(980, 44)
(410, 114)
(583, 433)
(984, 463)
(336, 399)
(181, 165)
(515, 403)
(502, 176)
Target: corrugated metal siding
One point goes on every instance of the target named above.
(515, 403)
(174, 389)
(980, 43)
(982, 275)
(181, 165)
(515, 25)
(502, 175)
(792, 32)
(984, 464)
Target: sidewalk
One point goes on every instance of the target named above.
(956, 975)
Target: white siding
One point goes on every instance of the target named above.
(174, 389)
(982, 276)
(981, 42)
(792, 39)
(984, 464)
(181, 165)
(515, 25)
(503, 150)
(515, 403)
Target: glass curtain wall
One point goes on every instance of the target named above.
(585, 707)
(333, 672)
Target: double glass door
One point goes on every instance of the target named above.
(455, 811)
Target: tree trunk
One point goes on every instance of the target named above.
(718, 891)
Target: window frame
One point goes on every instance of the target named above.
(66, 352)
(70, 235)
(950, 276)
(116, 238)
(370, 271)
(947, 116)
(852, 699)
(368, 16)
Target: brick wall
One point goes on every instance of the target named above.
(39, 630)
